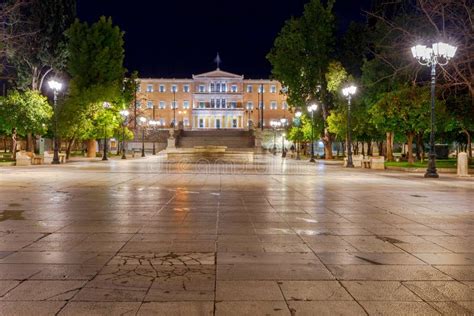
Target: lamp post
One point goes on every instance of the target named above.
(311, 109)
(124, 114)
(439, 54)
(143, 124)
(153, 125)
(174, 107)
(56, 86)
(298, 114)
(104, 156)
(275, 124)
(284, 123)
(348, 93)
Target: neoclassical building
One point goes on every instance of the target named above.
(212, 100)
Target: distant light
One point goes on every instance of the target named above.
(351, 90)
(55, 85)
(124, 113)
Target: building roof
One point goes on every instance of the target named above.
(218, 74)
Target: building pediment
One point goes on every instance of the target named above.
(218, 74)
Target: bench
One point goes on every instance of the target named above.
(367, 161)
(26, 158)
(48, 157)
(377, 163)
(357, 161)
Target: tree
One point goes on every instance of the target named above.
(24, 113)
(300, 59)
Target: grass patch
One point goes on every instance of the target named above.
(442, 163)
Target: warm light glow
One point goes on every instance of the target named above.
(298, 113)
(106, 105)
(55, 85)
(283, 121)
(142, 119)
(428, 55)
(351, 90)
(312, 108)
(124, 113)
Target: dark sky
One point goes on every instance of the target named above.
(178, 38)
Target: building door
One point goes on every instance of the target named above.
(218, 123)
(234, 123)
(201, 123)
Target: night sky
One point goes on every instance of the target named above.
(181, 37)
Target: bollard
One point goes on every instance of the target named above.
(463, 170)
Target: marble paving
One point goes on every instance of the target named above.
(142, 237)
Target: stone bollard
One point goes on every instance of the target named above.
(463, 170)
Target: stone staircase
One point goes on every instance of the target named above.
(221, 137)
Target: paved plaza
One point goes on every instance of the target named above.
(142, 237)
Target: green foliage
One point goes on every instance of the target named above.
(28, 112)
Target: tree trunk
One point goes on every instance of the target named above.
(343, 147)
(469, 143)
(369, 148)
(4, 144)
(327, 141)
(14, 144)
(410, 137)
(69, 146)
(420, 147)
(389, 155)
(91, 148)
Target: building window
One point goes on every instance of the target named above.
(273, 89)
(273, 105)
(149, 104)
(234, 88)
(149, 88)
(186, 88)
(250, 105)
(174, 88)
(223, 103)
(249, 89)
(202, 88)
(261, 89)
(174, 105)
(162, 105)
(186, 105)
(262, 105)
(201, 123)
(162, 88)
(202, 105)
(233, 105)
(138, 104)
(224, 87)
(284, 105)
(234, 123)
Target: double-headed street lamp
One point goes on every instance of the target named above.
(348, 93)
(275, 125)
(106, 106)
(284, 123)
(153, 125)
(143, 121)
(124, 114)
(298, 114)
(439, 54)
(56, 86)
(311, 109)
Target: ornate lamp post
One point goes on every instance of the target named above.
(348, 93)
(143, 121)
(153, 125)
(311, 109)
(174, 107)
(284, 123)
(56, 86)
(439, 54)
(106, 106)
(275, 124)
(298, 114)
(124, 114)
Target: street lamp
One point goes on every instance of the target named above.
(124, 114)
(274, 124)
(56, 86)
(174, 107)
(284, 123)
(298, 114)
(311, 109)
(143, 124)
(153, 125)
(348, 93)
(439, 54)
(106, 106)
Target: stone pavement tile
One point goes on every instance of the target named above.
(169, 237)
(250, 308)
(266, 258)
(368, 258)
(126, 277)
(314, 291)
(284, 247)
(42, 245)
(454, 308)
(100, 308)
(13, 245)
(182, 283)
(371, 244)
(225, 246)
(28, 308)
(99, 246)
(6, 286)
(18, 272)
(177, 308)
(458, 272)
(3, 254)
(386, 272)
(174, 246)
(165, 259)
(66, 272)
(441, 290)
(379, 291)
(248, 291)
(44, 291)
(319, 247)
(238, 238)
(398, 308)
(57, 257)
(311, 308)
(31, 237)
(447, 258)
(108, 294)
(281, 239)
(252, 271)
